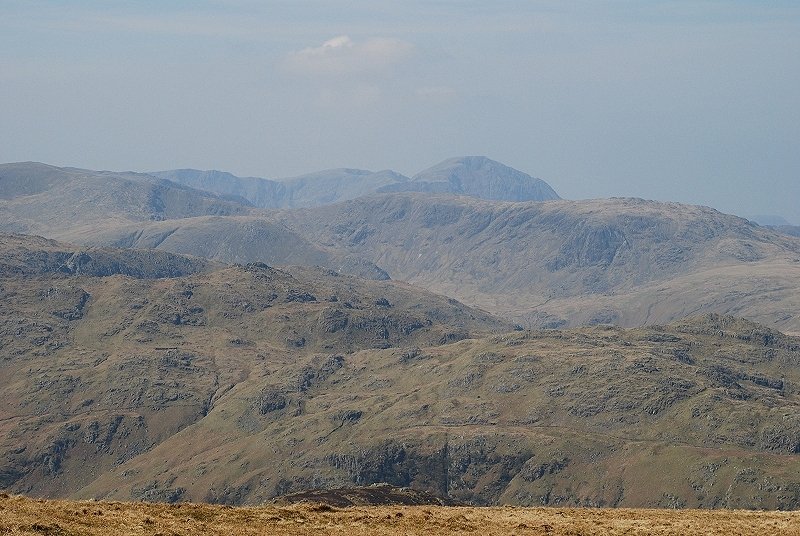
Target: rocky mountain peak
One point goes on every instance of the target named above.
(478, 176)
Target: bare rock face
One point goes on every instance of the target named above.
(272, 400)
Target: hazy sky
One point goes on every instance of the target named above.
(693, 101)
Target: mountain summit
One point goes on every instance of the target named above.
(477, 176)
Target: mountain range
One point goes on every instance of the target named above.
(47, 200)
(540, 264)
(195, 336)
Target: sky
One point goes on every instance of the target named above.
(695, 101)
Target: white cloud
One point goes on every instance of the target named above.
(341, 56)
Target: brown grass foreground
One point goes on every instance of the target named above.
(20, 515)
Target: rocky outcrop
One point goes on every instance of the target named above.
(381, 494)
(35, 256)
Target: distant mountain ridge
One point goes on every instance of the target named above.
(793, 230)
(314, 189)
(768, 220)
(68, 203)
(234, 240)
(474, 176)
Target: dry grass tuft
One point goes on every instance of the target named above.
(24, 516)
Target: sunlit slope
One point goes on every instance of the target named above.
(99, 368)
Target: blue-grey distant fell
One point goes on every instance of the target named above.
(473, 176)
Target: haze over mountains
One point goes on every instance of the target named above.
(474, 176)
(793, 230)
(310, 190)
(777, 223)
(167, 352)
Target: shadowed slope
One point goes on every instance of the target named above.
(24, 255)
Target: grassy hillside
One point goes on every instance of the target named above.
(159, 377)
(705, 409)
(96, 371)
